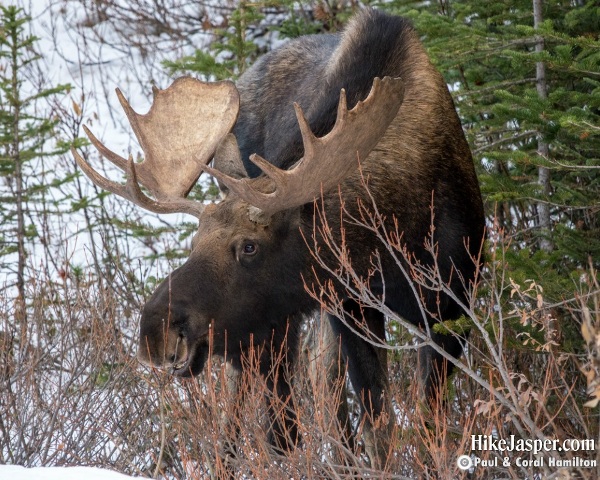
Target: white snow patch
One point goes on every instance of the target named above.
(15, 472)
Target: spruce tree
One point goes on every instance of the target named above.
(527, 89)
(231, 51)
(24, 134)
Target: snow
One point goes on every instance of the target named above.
(14, 472)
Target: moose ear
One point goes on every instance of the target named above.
(228, 160)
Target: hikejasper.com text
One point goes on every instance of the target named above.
(513, 444)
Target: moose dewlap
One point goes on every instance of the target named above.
(316, 138)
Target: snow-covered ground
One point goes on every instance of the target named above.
(13, 472)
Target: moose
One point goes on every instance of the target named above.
(291, 144)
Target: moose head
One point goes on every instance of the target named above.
(244, 271)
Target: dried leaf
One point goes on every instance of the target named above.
(540, 300)
(76, 108)
(587, 330)
(589, 374)
(482, 408)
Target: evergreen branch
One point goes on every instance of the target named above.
(497, 86)
(491, 146)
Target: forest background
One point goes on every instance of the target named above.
(76, 263)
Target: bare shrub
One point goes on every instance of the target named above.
(515, 380)
(69, 387)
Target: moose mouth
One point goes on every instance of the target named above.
(193, 363)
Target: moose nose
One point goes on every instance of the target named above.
(163, 349)
(178, 356)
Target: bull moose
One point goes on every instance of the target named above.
(292, 143)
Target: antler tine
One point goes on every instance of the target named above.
(98, 179)
(118, 160)
(243, 187)
(329, 159)
(308, 137)
(132, 191)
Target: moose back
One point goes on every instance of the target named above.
(344, 120)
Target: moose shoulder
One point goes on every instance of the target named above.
(302, 119)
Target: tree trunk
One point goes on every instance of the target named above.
(19, 184)
(543, 150)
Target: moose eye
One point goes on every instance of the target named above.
(249, 248)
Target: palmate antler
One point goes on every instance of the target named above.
(327, 160)
(188, 120)
(179, 135)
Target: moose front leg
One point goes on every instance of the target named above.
(367, 367)
(322, 358)
(231, 426)
(434, 369)
(277, 367)
(283, 425)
